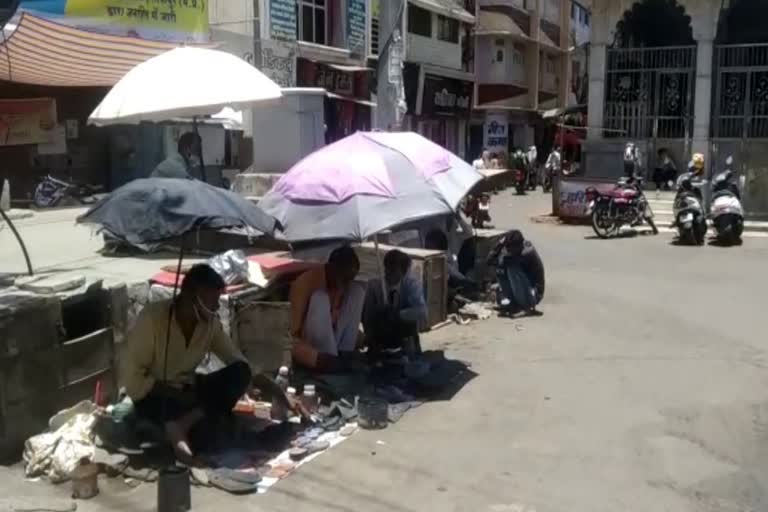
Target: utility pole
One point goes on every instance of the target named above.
(390, 95)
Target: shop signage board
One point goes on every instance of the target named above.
(27, 121)
(282, 19)
(278, 62)
(334, 80)
(356, 27)
(496, 132)
(446, 96)
(159, 20)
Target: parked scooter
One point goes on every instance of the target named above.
(688, 209)
(52, 192)
(726, 212)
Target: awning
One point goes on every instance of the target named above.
(557, 112)
(348, 69)
(498, 22)
(353, 100)
(42, 52)
(448, 8)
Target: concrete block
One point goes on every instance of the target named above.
(254, 184)
(50, 284)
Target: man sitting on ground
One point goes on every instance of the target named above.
(163, 383)
(182, 163)
(520, 274)
(394, 323)
(326, 307)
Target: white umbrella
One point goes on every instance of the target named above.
(184, 82)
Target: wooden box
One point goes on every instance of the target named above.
(262, 331)
(430, 266)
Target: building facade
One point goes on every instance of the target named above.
(307, 44)
(522, 68)
(695, 79)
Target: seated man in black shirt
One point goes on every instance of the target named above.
(520, 273)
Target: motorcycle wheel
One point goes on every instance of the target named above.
(520, 189)
(700, 234)
(600, 230)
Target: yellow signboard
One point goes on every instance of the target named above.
(165, 20)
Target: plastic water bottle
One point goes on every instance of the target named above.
(282, 379)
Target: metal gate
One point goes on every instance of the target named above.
(740, 118)
(649, 92)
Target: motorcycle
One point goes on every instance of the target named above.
(552, 167)
(726, 212)
(50, 192)
(688, 210)
(520, 172)
(624, 205)
(533, 164)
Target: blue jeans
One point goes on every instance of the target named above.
(516, 287)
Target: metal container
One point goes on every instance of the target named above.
(85, 481)
(372, 413)
(173, 490)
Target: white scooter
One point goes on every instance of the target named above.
(726, 212)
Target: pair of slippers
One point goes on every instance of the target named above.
(229, 480)
(304, 450)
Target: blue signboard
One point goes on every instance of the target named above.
(282, 19)
(356, 24)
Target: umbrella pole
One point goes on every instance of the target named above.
(170, 317)
(380, 268)
(19, 239)
(199, 149)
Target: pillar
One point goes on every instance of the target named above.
(702, 113)
(596, 100)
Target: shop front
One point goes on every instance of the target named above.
(439, 109)
(347, 105)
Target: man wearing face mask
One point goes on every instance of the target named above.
(168, 391)
(181, 164)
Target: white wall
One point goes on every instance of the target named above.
(548, 80)
(433, 51)
(550, 10)
(512, 69)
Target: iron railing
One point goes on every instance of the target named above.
(741, 91)
(649, 92)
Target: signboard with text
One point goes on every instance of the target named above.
(446, 96)
(572, 199)
(282, 19)
(356, 27)
(335, 81)
(159, 20)
(278, 62)
(496, 132)
(27, 121)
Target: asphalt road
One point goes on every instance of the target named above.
(642, 388)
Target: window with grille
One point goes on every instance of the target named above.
(447, 29)
(313, 25)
